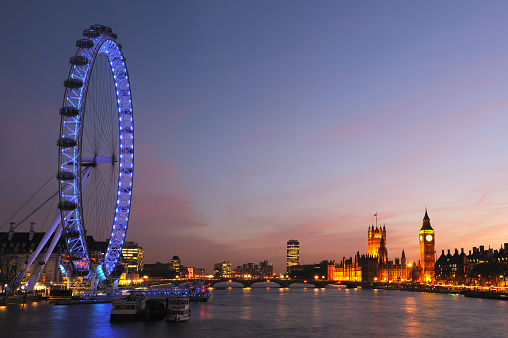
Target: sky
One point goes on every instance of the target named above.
(257, 122)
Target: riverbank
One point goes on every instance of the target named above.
(20, 299)
(419, 288)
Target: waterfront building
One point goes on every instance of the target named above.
(486, 267)
(133, 255)
(195, 273)
(427, 252)
(293, 253)
(222, 270)
(451, 268)
(309, 271)
(158, 270)
(371, 267)
(364, 268)
(251, 270)
(17, 247)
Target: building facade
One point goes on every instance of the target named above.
(133, 256)
(427, 240)
(175, 264)
(17, 247)
(372, 267)
(451, 268)
(375, 236)
(377, 243)
(222, 270)
(293, 253)
(251, 270)
(482, 266)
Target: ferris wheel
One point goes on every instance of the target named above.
(96, 153)
(95, 163)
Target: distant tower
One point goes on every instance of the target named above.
(377, 237)
(175, 264)
(427, 257)
(293, 253)
(382, 254)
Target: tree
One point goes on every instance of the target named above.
(10, 273)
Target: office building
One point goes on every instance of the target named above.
(293, 253)
(133, 256)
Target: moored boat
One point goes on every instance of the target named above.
(155, 309)
(128, 308)
(178, 309)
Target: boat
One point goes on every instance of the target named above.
(155, 309)
(196, 291)
(128, 308)
(178, 309)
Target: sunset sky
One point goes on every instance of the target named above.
(257, 122)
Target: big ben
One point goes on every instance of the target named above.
(427, 257)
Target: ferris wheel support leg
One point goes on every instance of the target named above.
(42, 243)
(35, 277)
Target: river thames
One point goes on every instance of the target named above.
(280, 313)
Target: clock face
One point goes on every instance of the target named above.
(428, 238)
(421, 238)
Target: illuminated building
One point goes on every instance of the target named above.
(175, 264)
(193, 272)
(133, 255)
(377, 242)
(251, 270)
(427, 253)
(372, 267)
(293, 253)
(222, 270)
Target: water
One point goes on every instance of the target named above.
(279, 313)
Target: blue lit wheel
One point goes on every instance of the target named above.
(96, 154)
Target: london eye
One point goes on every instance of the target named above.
(96, 153)
(95, 162)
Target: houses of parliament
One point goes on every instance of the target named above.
(375, 265)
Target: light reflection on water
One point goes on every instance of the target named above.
(411, 314)
(278, 312)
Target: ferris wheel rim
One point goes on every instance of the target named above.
(100, 41)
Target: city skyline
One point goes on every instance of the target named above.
(258, 122)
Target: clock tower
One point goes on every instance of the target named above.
(427, 256)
